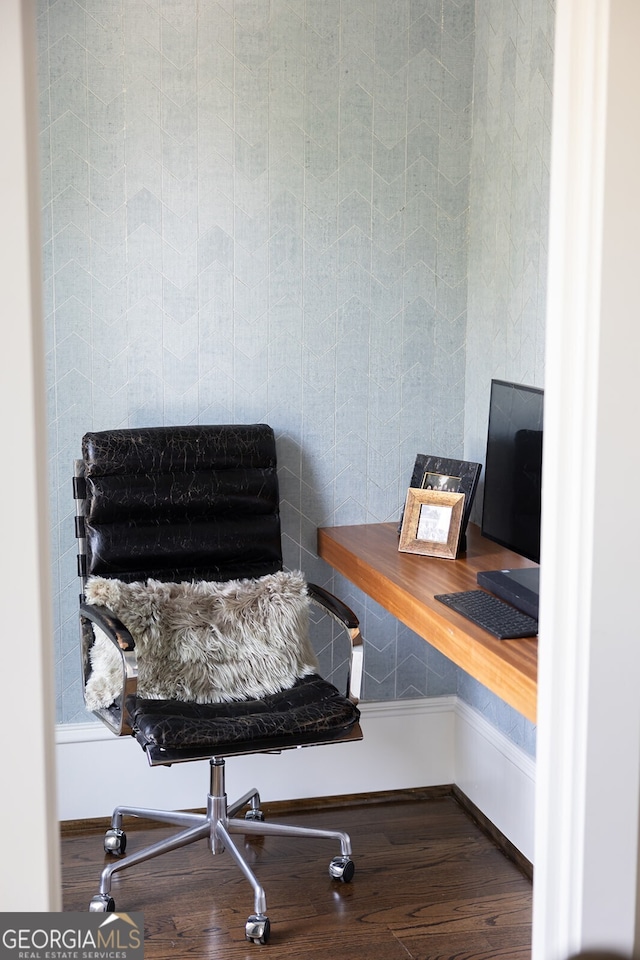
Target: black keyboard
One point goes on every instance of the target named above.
(492, 614)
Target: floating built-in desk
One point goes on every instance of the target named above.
(405, 584)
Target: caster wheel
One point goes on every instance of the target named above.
(115, 841)
(102, 903)
(257, 928)
(342, 868)
(256, 815)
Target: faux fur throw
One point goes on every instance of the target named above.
(205, 642)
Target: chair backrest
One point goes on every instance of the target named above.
(179, 503)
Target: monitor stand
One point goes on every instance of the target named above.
(520, 587)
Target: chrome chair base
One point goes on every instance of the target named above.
(217, 824)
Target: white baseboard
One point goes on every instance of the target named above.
(497, 776)
(407, 743)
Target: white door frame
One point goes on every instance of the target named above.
(588, 790)
(29, 876)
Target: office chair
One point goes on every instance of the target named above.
(194, 639)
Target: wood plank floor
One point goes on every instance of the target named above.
(429, 885)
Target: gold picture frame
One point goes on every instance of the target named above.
(432, 523)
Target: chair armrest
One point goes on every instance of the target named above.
(338, 610)
(116, 632)
(109, 624)
(347, 619)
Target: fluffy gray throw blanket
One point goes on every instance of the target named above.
(205, 642)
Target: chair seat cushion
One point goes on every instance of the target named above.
(311, 710)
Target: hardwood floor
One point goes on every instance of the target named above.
(429, 885)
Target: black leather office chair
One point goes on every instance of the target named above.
(179, 539)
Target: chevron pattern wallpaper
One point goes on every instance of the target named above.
(258, 210)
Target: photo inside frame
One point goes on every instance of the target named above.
(434, 523)
(441, 481)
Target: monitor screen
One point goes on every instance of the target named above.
(513, 468)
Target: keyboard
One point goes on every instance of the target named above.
(491, 613)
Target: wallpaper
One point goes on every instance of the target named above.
(508, 223)
(259, 211)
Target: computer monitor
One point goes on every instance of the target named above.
(513, 488)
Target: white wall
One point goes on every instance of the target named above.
(29, 873)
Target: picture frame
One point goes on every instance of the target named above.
(432, 523)
(465, 473)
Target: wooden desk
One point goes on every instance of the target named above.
(405, 584)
